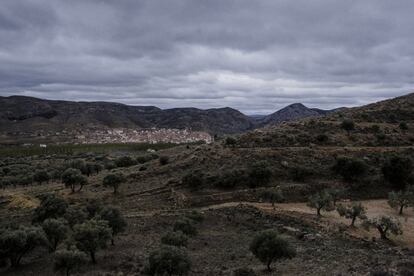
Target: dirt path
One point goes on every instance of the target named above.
(374, 208)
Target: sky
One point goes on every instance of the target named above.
(253, 55)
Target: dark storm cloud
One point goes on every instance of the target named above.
(253, 55)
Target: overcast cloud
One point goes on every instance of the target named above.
(253, 55)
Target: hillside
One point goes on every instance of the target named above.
(25, 114)
(386, 123)
(31, 120)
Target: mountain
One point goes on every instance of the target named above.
(293, 112)
(27, 114)
(386, 123)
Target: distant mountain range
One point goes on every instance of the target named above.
(27, 114)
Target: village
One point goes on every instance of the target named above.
(104, 136)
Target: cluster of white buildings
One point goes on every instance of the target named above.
(152, 136)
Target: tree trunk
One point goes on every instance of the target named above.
(353, 221)
(80, 188)
(383, 233)
(318, 212)
(92, 253)
(401, 210)
(268, 266)
(112, 241)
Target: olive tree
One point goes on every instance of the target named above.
(348, 125)
(384, 225)
(321, 201)
(51, 206)
(68, 260)
(75, 215)
(91, 236)
(401, 199)
(169, 260)
(115, 220)
(352, 212)
(72, 178)
(41, 176)
(113, 181)
(16, 243)
(268, 247)
(56, 231)
(336, 194)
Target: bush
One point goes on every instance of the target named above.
(125, 161)
(186, 226)
(259, 174)
(169, 260)
(230, 142)
(397, 171)
(144, 159)
(68, 260)
(273, 196)
(195, 216)
(51, 206)
(268, 247)
(164, 160)
(350, 169)
(193, 180)
(348, 125)
(244, 271)
(41, 176)
(403, 126)
(229, 180)
(91, 236)
(300, 174)
(15, 244)
(113, 181)
(384, 225)
(322, 138)
(321, 201)
(177, 238)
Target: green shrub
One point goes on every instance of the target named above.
(177, 238)
(259, 174)
(168, 260)
(397, 171)
(164, 160)
(125, 161)
(186, 226)
(193, 180)
(350, 169)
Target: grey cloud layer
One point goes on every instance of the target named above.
(256, 56)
